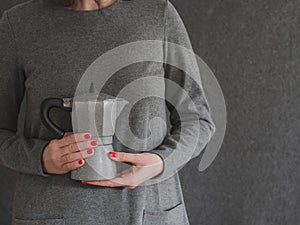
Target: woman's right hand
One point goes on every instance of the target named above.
(61, 156)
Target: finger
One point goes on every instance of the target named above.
(132, 187)
(73, 165)
(127, 179)
(67, 134)
(73, 138)
(134, 176)
(123, 172)
(77, 156)
(110, 183)
(78, 146)
(106, 183)
(133, 158)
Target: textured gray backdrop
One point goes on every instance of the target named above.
(253, 49)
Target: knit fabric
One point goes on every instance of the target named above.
(45, 49)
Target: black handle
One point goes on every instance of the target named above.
(46, 106)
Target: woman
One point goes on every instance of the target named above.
(46, 46)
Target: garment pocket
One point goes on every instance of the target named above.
(173, 216)
(59, 221)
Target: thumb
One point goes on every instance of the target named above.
(133, 158)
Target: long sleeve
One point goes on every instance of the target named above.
(16, 152)
(191, 123)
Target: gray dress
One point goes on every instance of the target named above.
(44, 50)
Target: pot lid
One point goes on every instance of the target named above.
(93, 95)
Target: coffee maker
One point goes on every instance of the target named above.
(93, 113)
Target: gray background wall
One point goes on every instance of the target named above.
(253, 49)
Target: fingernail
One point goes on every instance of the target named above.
(83, 182)
(90, 151)
(112, 154)
(94, 143)
(80, 162)
(87, 136)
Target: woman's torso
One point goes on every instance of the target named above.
(56, 47)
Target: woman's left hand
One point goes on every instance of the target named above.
(144, 166)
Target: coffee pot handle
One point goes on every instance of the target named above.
(46, 106)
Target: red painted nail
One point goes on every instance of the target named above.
(80, 161)
(83, 182)
(90, 151)
(87, 136)
(94, 143)
(112, 154)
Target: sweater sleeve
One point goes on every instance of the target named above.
(17, 152)
(190, 118)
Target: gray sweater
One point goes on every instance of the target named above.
(45, 49)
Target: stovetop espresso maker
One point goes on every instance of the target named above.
(96, 115)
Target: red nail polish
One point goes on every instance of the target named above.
(112, 154)
(90, 151)
(87, 136)
(80, 161)
(83, 182)
(94, 143)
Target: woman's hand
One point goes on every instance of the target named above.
(61, 156)
(145, 166)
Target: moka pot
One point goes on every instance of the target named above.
(96, 115)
